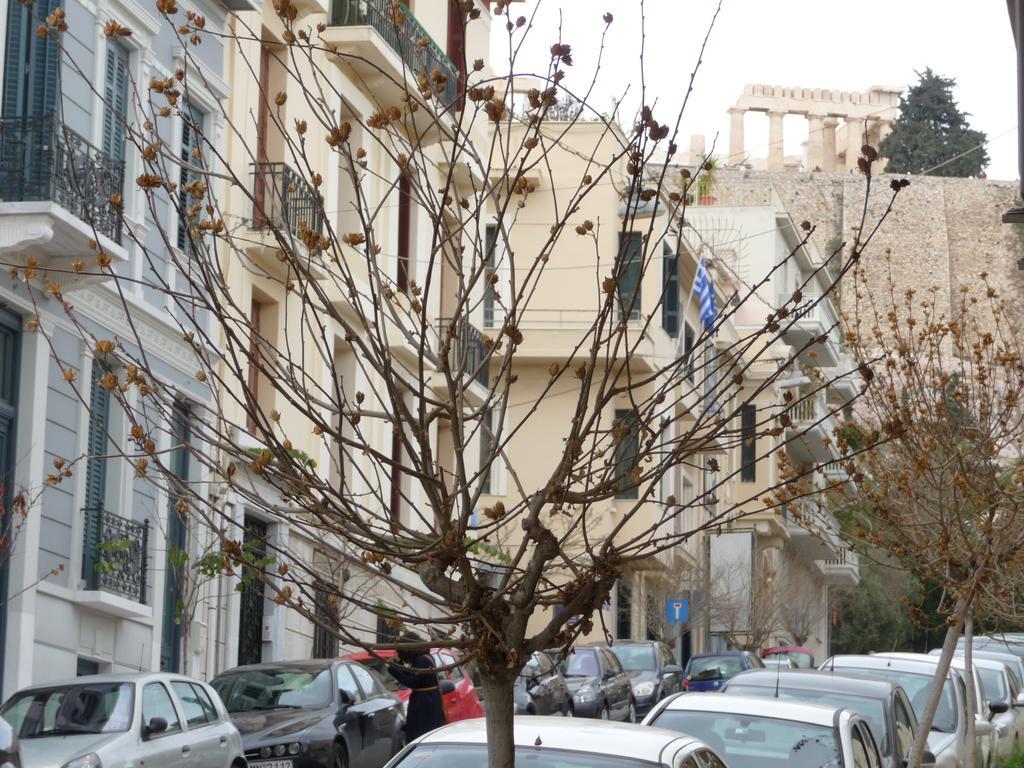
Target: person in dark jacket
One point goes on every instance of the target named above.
(426, 707)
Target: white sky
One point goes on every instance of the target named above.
(837, 44)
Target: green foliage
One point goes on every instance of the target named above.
(483, 548)
(932, 130)
(1016, 760)
(875, 616)
(301, 456)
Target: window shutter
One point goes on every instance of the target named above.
(748, 450)
(670, 300)
(189, 142)
(115, 93)
(32, 65)
(630, 256)
(627, 453)
(490, 251)
(99, 422)
(16, 64)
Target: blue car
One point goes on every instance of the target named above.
(710, 671)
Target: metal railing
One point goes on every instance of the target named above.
(41, 159)
(845, 557)
(115, 554)
(283, 199)
(407, 37)
(467, 348)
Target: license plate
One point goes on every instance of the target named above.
(271, 764)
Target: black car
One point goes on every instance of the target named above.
(312, 714)
(541, 689)
(598, 684)
(882, 703)
(652, 671)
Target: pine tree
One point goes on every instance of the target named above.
(931, 131)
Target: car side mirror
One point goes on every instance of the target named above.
(673, 669)
(998, 707)
(345, 698)
(1019, 701)
(447, 686)
(927, 758)
(154, 726)
(983, 727)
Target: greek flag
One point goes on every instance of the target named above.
(705, 293)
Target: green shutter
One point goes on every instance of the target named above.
(99, 423)
(748, 450)
(627, 453)
(490, 241)
(630, 264)
(670, 300)
(115, 93)
(32, 65)
(190, 140)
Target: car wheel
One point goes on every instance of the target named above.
(605, 714)
(340, 758)
(631, 715)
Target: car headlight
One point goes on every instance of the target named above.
(645, 688)
(92, 760)
(586, 694)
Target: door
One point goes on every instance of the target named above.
(380, 711)
(619, 689)
(206, 734)
(10, 351)
(172, 748)
(171, 634)
(250, 620)
(352, 722)
(459, 703)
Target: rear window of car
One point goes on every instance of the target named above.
(475, 755)
(581, 663)
(714, 667)
(917, 688)
(636, 658)
(73, 710)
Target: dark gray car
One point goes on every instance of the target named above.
(652, 671)
(541, 689)
(884, 704)
(598, 683)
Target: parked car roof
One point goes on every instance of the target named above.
(722, 653)
(120, 677)
(779, 709)
(813, 679)
(911, 665)
(576, 734)
(297, 664)
(787, 649)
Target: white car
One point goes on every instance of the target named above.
(113, 721)
(544, 742)
(759, 732)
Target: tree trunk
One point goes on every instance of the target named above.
(500, 705)
(941, 672)
(971, 695)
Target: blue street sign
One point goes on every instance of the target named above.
(677, 611)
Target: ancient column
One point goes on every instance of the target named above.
(854, 141)
(776, 148)
(828, 144)
(737, 152)
(815, 143)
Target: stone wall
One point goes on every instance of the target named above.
(943, 232)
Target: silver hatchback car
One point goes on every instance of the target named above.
(111, 721)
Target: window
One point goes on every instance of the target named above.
(192, 707)
(863, 749)
(256, 310)
(87, 667)
(670, 299)
(396, 480)
(748, 448)
(629, 273)
(626, 430)
(365, 680)
(99, 424)
(156, 702)
(402, 270)
(347, 683)
(904, 728)
(623, 612)
(486, 446)
(177, 539)
(191, 156)
(455, 673)
(325, 644)
(115, 97)
(491, 254)
(385, 632)
(457, 46)
(689, 337)
(32, 66)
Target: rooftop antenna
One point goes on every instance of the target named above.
(778, 675)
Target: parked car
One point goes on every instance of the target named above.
(312, 714)
(779, 662)
(993, 652)
(947, 739)
(802, 658)
(754, 732)
(544, 742)
(885, 705)
(461, 698)
(541, 689)
(9, 753)
(1002, 693)
(156, 719)
(598, 683)
(710, 671)
(652, 671)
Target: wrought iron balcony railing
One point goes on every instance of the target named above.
(283, 199)
(116, 554)
(41, 159)
(467, 348)
(407, 38)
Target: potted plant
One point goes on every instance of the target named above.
(706, 181)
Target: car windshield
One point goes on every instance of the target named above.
(475, 755)
(582, 663)
(993, 685)
(282, 688)
(714, 667)
(872, 710)
(381, 668)
(636, 658)
(750, 741)
(917, 688)
(71, 710)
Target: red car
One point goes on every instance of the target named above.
(461, 703)
(802, 658)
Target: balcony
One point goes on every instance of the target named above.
(115, 563)
(554, 334)
(813, 533)
(467, 351)
(813, 318)
(810, 437)
(55, 190)
(286, 211)
(385, 50)
(843, 570)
